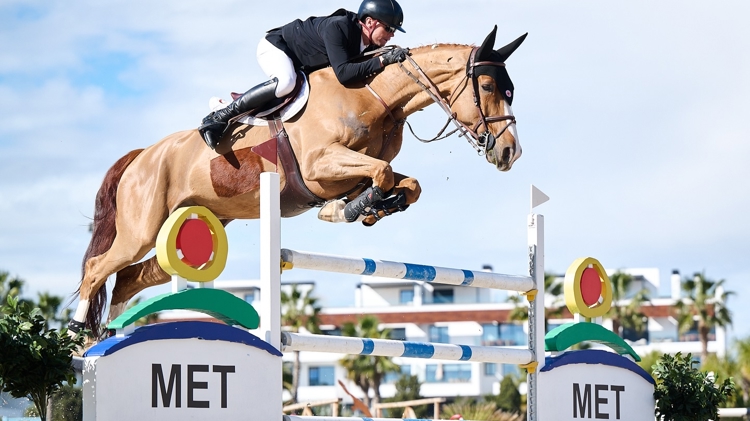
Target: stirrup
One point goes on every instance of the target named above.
(212, 131)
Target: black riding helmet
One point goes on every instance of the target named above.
(387, 11)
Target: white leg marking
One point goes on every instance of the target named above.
(83, 308)
(333, 211)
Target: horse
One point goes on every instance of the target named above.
(344, 140)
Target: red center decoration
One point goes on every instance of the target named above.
(591, 286)
(195, 241)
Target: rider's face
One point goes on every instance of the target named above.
(380, 32)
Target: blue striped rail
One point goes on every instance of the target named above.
(409, 271)
(393, 348)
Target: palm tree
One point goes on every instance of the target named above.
(49, 305)
(367, 371)
(553, 292)
(9, 286)
(299, 310)
(742, 349)
(627, 315)
(705, 304)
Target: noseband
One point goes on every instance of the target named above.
(481, 142)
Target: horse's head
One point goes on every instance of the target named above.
(484, 103)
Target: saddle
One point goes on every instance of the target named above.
(296, 198)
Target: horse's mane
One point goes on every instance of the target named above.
(442, 44)
(438, 45)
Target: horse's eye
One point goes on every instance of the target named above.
(488, 87)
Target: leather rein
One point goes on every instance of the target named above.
(481, 142)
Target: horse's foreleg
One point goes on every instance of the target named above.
(338, 163)
(406, 187)
(132, 280)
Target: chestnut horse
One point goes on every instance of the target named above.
(343, 141)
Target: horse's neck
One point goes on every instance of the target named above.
(444, 65)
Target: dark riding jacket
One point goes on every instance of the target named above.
(318, 42)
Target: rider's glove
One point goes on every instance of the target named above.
(395, 55)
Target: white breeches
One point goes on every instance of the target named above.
(278, 65)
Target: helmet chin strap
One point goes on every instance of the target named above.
(368, 33)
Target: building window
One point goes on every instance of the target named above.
(490, 369)
(333, 332)
(321, 376)
(439, 334)
(406, 296)
(503, 334)
(634, 336)
(398, 334)
(512, 334)
(693, 336)
(442, 296)
(489, 334)
(252, 296)
(448, 373)
(392, 377)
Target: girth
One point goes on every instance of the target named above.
(296, 198)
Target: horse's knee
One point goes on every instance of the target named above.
(383, 177)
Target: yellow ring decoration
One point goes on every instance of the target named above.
(166, 245)
(573, 295)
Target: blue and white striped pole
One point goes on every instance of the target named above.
(392, 348)
(408, 271)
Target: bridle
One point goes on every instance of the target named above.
(481, 142)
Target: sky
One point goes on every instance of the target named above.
(632, 117)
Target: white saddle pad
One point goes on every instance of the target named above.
(289, 111)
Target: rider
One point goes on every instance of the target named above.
(312, 44)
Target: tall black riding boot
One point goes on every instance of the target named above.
(215, 124)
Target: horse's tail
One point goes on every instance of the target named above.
(103, 234)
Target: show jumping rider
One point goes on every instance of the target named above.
(312, 44)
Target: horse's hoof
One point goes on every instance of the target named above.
(333, 211)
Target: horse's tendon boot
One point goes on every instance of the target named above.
(362, 203)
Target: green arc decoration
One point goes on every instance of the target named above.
(213, 302)
(569, 334)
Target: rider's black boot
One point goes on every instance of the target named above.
(215, 123)
(363, 202)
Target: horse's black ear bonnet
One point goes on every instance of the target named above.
(486, 53)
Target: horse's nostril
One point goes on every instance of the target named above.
(507, 153)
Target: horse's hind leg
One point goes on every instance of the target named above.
(136, 236)
(133, 279)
